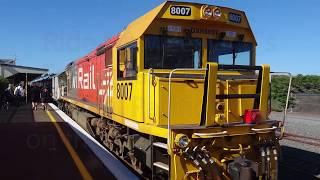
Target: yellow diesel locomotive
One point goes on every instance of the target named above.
(178, 95)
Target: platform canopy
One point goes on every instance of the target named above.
(15, 73)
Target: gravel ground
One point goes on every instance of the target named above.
(301, 124)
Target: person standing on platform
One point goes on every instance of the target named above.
(35, 96)
(45, 98)
(8, 98)
(19, 93)
(9, 92)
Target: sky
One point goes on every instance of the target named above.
(50, 34)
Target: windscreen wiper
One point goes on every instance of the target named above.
(234, 56)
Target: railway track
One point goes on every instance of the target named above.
(302, 139)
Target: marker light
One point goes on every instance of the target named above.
(182, 140)
(251, 116)
(217, 12)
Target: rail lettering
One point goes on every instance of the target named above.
(124, 91)
(86, 80)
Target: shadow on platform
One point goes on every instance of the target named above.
(31, 148)
(298, 164)
(22, 113)
(34, 151)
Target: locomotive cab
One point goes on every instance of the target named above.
(180, 39)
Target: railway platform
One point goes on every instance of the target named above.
(43, 145)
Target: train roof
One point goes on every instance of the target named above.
(136, 28)
(108, 43)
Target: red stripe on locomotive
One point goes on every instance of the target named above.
(92, 74)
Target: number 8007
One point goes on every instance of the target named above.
(180, 10)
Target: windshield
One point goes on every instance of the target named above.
(165, 52)
(228, 52)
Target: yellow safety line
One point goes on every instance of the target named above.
(83, 170)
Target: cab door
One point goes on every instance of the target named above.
(127, 90)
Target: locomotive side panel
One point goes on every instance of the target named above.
(71, 81)
(56, 91)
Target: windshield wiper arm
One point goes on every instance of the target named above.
(234, 56)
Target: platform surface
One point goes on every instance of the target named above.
(32, 148)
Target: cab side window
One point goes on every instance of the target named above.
(127, 62)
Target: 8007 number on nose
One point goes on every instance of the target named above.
(180, 11)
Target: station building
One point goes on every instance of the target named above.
(17, 73)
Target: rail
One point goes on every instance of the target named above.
(313, 141)
(169, 97)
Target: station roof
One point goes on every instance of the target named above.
(16, 73)
(43, 78)
(8, 61)
(8, 70)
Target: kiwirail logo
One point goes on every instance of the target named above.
(86, 79)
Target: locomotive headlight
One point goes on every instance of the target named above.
(209, 12)
(217, 12)
(182, 140)
(206, 12)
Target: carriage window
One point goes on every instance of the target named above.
(167, 52)
(228, 52)
(127, 62)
